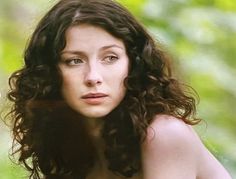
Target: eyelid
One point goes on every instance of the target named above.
(72, 61)
(73, 55)
(107, 58)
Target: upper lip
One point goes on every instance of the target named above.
(94, 95)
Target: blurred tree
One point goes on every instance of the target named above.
(202, 34)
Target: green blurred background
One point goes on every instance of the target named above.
(199, 34)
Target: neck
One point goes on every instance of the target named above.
(94, 126)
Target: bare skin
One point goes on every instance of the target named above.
(90, 62)
(172, 150)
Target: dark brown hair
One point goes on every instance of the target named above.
(53, 141)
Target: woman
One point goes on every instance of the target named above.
(96, 99)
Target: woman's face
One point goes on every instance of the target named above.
(93, 66)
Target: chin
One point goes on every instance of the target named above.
(95, 114)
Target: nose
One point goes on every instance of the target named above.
(93, 76)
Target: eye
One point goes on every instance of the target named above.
(110, 58)
(73, 61)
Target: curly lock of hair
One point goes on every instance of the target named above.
(53, 142)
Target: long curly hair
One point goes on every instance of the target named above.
(52, 141)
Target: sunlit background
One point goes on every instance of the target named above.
(199, 34)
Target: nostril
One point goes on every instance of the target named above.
(93, 75)
(93, 82)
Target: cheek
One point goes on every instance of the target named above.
(118, 78)
(70, 78)
(66, 81)
(69, 83)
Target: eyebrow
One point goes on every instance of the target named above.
(102, 48)
(111, 46)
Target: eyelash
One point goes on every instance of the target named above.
(73, 61)
(77, 61)
(110, 58)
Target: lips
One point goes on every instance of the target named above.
(94, 95)
(94, 98)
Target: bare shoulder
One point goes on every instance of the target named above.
(170, 135)
(168, 128)
(172, 149)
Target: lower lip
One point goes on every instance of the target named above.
(94, 101)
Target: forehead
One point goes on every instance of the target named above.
(86, 34)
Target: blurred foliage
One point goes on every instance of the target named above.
(199, 34)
